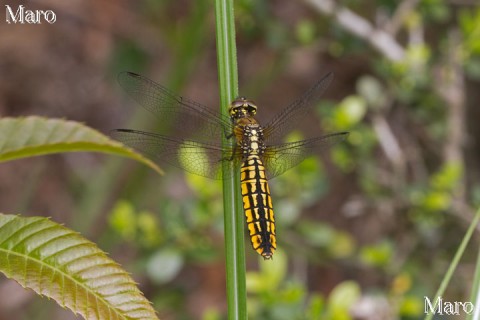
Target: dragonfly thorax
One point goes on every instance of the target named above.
(252, 140)
(241, 108)
(248, 133)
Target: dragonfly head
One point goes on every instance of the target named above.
(241, 108)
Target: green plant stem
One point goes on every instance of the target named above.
(233, 212)
(475, 294)
(454, 263)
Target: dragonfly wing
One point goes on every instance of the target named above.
(280, 158)
(286, 120)
(176, 116)
(195, 157)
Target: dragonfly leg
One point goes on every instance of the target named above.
(228, 135)
(233, 153)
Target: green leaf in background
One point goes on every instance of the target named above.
(123, 219)
(341, 299)
(373, 91)
(447, 177)
(135, 226)
(315, 307)
(378, 255)
(305, 32)
(411, 306)
(59, 263)
(338, 244)
(148, 227)
(316, 233)
(470, 26)
(270, 276)
(349, 112)
(35, 136)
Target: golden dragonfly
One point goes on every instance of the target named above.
(190, 137)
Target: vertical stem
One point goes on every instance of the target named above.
(475, 294)
(475, 291)
(233, 211)
(454, 263)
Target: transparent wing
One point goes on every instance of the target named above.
(280, 158)
(176, 116)
(195, 157)
(286, 120)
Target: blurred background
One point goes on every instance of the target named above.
(365, 230)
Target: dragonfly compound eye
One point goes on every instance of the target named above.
(241, 107)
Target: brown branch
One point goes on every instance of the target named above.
(403, 10)
(451, 88)
(361, 27)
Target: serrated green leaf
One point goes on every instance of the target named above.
(59, 263)
(34, 136)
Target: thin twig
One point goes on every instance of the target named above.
(403, 10)
(361, 27)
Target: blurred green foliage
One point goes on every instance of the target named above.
(372, 220)
(378, 255)
(275, 295)
(418, 195)
(273, 292)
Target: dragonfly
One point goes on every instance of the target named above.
(189, 136)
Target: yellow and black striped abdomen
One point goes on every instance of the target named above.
(257, 204)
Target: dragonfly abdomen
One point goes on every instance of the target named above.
(257, 205)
